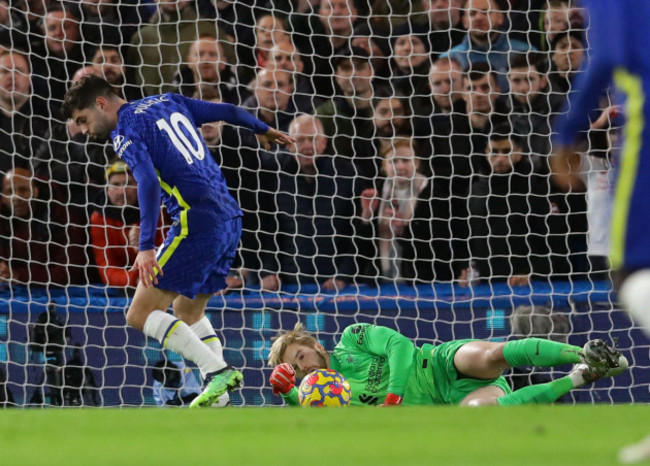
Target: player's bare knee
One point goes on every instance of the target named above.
(136, 317)
(475, 402)
(494, 357)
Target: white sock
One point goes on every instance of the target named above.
(577, 379)
(635, 295)
(204, 330)
(176, 335)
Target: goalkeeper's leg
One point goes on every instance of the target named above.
(542, 393)
(487, 360)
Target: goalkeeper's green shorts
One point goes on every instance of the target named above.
(450, 386)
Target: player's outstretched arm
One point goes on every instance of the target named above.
(274, 136)
(204, 112)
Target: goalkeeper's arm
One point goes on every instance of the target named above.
(383, 341)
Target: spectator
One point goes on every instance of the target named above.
(567, 56)
(174, 383)
(470, 130)
(237, 21)
(402, 213)
(523, 21)
(559, 16)
(383, 17)
(249, 174)
(54, 63)
(156, 61)
(347, 118)
(378, 47)
(114, 228)
(13, 27)
(411, 59)
(40, 245)
(284, 56)
(531, 106)
(33, 139)
(87, 160)
(315, 202)
(107, 62)
(207, 73)
(105, 23)
(485, 42)
(508, 205)
(274, 101)
(22, 125)
(444, 23)
(445, 84)
(391, 118)
(597, 175)
(320, 36)
(433, 112)
(269, 32)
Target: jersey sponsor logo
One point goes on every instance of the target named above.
(143, 106)
(124, 147)
(375, 372)
(360, 332)
(368, 399)
(117, 142)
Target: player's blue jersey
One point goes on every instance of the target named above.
(619, 54)
(159, 140)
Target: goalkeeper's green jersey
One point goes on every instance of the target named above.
(378, 360)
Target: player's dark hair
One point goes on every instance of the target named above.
(83, 94)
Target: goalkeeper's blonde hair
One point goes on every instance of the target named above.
(280, 342)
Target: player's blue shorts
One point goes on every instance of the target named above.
(197, 253)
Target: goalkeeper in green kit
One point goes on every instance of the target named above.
(385, 368)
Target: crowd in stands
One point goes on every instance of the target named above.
(423, 130)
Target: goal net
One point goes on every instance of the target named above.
(418, 194)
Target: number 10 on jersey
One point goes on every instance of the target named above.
(179, 138)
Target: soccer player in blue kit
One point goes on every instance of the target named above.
(158, 138)
(619, 53)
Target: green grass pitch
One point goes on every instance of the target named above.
(526, 435)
